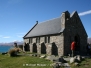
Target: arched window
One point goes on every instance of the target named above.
(34, 48)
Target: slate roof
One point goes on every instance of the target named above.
(45, 28)
(49, 27)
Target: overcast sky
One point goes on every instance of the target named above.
(17, 17)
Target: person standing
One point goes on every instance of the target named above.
(73, 44)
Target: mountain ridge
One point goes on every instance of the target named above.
(12, 43)
(21, 42)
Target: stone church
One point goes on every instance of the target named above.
(54, 37)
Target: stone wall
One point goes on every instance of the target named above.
(59, 42)
(56, 39)
(74, 27)
(33, 40)
(26, 40)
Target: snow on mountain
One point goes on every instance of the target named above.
(12, 43)
(21, 42)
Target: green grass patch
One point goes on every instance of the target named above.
(23, 62)
(34, 62)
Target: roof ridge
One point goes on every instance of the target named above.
(72, 13)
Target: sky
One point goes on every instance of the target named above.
(17, 17)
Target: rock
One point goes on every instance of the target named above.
(56, 65)
(72, 60)
(35, 55)
(51, 57)
(83, 57)
(67, 59)
(43, 56)
(60, 64)
(76, 60)
(69, 55)
(79, 58)
(76, 64)
(75, 57)
(61, 59)
(31, 55)
(38, 55)
(66, 65)
(4, 53)
(55, 60)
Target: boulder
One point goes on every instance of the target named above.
(42, 56)
(72, 60)
(69, 55)
(4, 53)
(35, 55)
(76, 64)
(51, 57)
(55, 60)
(56, 65)
(66, 65)
(38, 55)
(61, 59)
(79, 58)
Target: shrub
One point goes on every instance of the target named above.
(18, 50)
(12, 52)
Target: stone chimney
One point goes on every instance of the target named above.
(36, 22)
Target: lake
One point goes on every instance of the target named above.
(5, 48)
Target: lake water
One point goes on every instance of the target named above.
(5, 48)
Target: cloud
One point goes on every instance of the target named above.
(19, 36)
(0, 35)
(6, 37)
(85, 13)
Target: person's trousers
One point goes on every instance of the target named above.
(72, 53)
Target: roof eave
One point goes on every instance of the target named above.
(43, 35)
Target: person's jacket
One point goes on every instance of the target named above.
(73, 46)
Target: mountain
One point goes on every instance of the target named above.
(89, 40)
(12, 43)
(21, 42)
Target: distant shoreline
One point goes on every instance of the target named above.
(6, 45)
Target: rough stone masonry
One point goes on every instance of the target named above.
(54, 37)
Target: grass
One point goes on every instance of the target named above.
(34, 62)
(23, 62)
